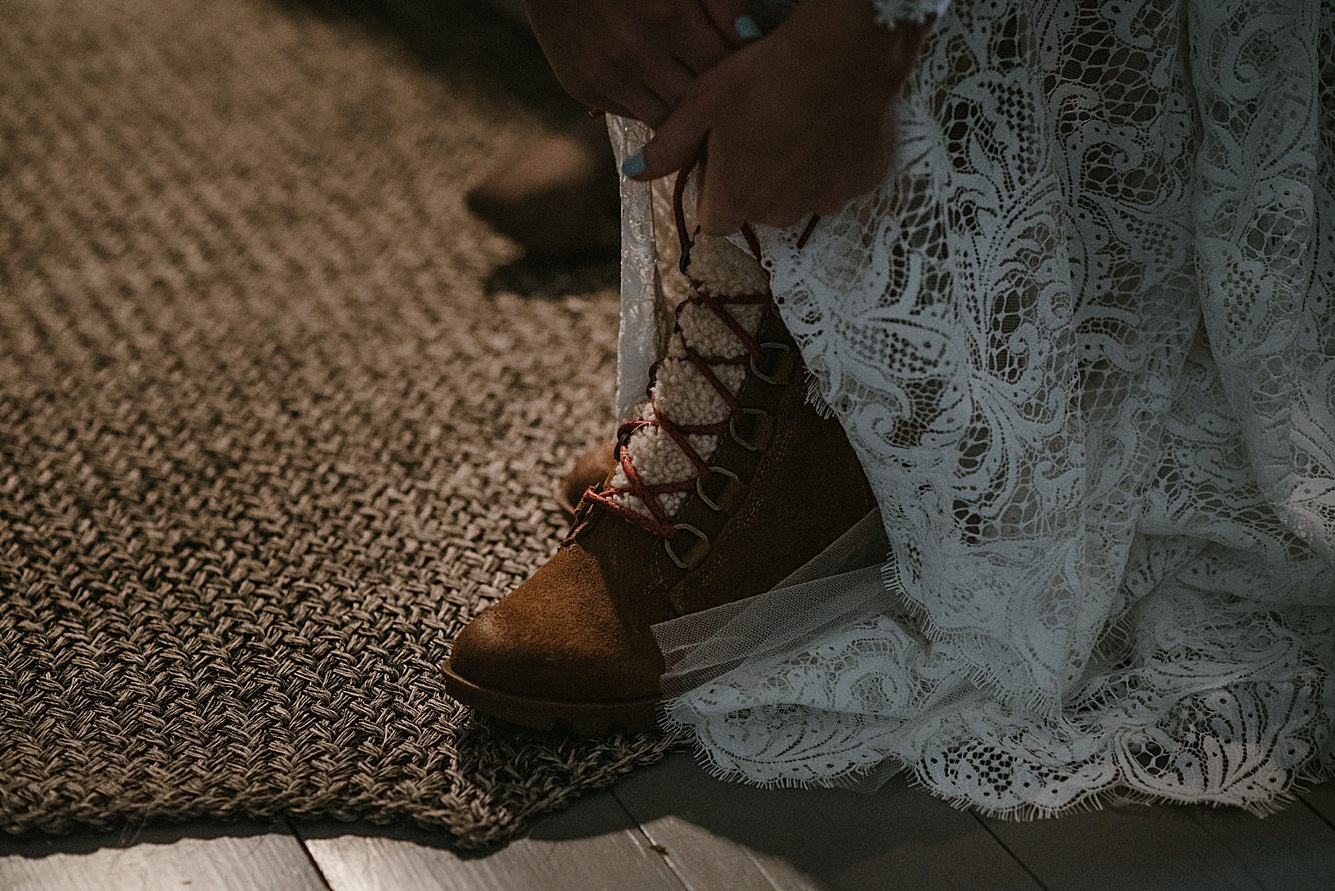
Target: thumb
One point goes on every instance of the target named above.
(676, 144)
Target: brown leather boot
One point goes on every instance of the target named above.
(589, 469)
(765, 488)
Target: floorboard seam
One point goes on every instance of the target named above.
(653, 845)
(751, 855)
(310, 858)
(1194, 815)
(1025, 866)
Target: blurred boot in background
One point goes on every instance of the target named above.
(557, 197)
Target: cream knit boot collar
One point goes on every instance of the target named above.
(666, 451)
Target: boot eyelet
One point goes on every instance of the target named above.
(780, 370)
(760, 430)
(700, 488)
(696, 555)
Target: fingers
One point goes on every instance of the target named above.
(717, 210)
(652, 64)
(726, 204)
(648, 95)
(659, 80)
(676, 143)
(713, 224)
(670, 82)
(733, 19)
(641, 104)
(701, 48)
(625, 101)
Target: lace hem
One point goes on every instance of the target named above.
(1080, 340)
(890, 12)
(829, 680)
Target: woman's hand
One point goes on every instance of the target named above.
(796, 123)
(635, 58)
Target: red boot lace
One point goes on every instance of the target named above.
(658, 521)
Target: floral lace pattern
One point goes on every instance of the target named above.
(890, 11)
(1082, 343)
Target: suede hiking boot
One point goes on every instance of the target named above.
(727, 483)
(589, 469)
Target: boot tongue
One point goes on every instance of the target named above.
(694, 393)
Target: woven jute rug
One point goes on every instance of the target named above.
(272, 426)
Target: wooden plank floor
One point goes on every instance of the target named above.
(673, 828)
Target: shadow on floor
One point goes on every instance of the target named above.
(464, 42)
(478, 52)
(548, 277)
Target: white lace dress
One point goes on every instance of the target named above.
(1083, 341)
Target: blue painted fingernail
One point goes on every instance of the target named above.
(633, 166)
(746, 28)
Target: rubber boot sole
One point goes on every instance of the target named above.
(583, 718)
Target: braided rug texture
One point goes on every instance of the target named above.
(267, 439)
